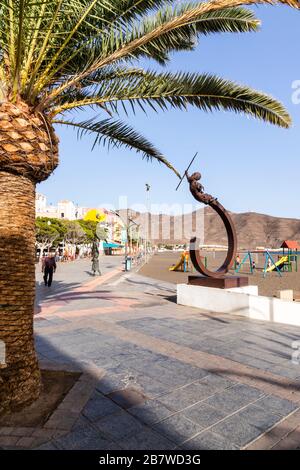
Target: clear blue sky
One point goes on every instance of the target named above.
(247, 164)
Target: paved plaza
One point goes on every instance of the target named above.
(156, 375)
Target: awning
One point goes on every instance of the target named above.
(112, 245)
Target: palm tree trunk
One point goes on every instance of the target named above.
(20, 382)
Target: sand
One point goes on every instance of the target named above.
(158, 268)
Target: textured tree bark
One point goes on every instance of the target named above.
(20, 379)
(28, 154)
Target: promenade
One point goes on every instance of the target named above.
(155, 375)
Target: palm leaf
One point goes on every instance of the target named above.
(115, 49)
(160, 91)
(115, 133)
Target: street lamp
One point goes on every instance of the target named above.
(148, 187)
(127, 228)
(48, 223)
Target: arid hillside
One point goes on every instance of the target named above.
(253, 229)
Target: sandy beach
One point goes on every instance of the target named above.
(158, 268)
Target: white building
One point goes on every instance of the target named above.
(66, 210)
(40, 203)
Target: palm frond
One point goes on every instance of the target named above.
(179, 39)
(157, 29)
(115, 133)
(63, 55)
(160, 91)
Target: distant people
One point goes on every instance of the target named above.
(48, 268)
(253, 265)
(270, 264)
(237, 261)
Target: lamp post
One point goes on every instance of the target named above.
(127, 228)
(49, 224)
(147, 237)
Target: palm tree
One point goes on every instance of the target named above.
(58, 56)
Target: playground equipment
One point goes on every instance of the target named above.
(279, 264)
(182, 264)
(283, 264)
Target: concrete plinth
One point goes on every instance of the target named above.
(243, 301)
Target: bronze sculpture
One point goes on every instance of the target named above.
(213, 278)
(95, 257)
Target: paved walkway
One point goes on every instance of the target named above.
(156, 375)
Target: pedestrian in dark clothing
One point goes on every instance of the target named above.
(48, 268)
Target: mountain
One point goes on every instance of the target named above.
(252, 229)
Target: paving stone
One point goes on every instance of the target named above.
(217, 382)
(259, 417)
(254, 343)
(6, 430)
(47, 446)
(44, 435)
(61, 420)
(128, 397)
(247, 391)
(236, 430)
(167, 377)
(8, 441)
(208, 441)
(187, 396)
(22, 431)
(204, 415)
(186, 370)
(119, 426)
(151, 387)
(111, 383)
(98, 407)
(84, 439)
(234, 398)
(27, 442)
(177, 428)
(82, 422)
(288, 370)
(150, 412)
(146, 440)
(277, 405)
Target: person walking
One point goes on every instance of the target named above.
(48, 268)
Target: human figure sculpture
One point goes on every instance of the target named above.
(197, 189)
(198, 192)
(95, 259)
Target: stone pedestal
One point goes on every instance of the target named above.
(242, 301)
(225, 282)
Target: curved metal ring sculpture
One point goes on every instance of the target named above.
(197, 191)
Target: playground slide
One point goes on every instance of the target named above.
(279, 263)
(180, 264)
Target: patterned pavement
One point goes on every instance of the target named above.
(156, 375)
